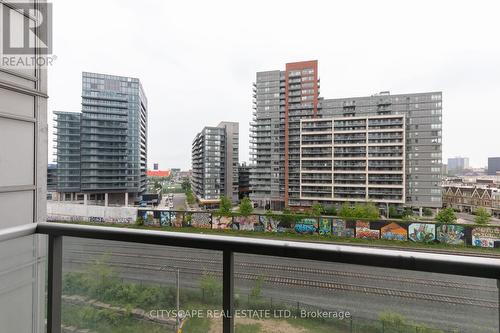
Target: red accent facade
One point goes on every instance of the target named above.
(295, 66)
(158, 173)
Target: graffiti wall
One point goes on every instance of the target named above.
(306, 226)
(221, 222)
(398, 231)
(269, 224)
(325, 226)
(340, 229)
(393, 231)
(450, 234)
(176, 219)
(246, 223)
(485, 237)
(201, 220)
(363, 231)
(165, 219)
(422, 232)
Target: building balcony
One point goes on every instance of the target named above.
(77, 278)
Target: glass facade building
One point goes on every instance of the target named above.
(215, 163)
(103, 149)
(282, 99)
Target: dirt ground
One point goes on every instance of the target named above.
(267, 326)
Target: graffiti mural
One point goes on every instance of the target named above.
(450, 234)
(165, 219)
(201, 220)
(268, 223)
(306, 226)
(176, 218)
(149, 217)
(221, 222)
(325, 226)
(485, 237)
(422, 232)
(363, 231)
(340, 229)
(393, 231)
(246, 223)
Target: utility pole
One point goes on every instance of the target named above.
(178, 288)
(178, 284)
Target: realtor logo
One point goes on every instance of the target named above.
(26, 28)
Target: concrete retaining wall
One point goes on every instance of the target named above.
(61, 211)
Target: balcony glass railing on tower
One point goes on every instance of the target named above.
(75, 278)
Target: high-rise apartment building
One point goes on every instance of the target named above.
(102, 151)
(382, 148)
(215, 158)
(458, 164)
(493, 166)
(281, 100)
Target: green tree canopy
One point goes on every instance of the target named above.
(482, 216)
(359, 211)
(317, 209)
(225, 206)
(246, 207)
(427, 211)
(447, 215)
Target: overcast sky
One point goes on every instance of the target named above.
(197, 60)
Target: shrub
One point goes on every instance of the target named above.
(427, 211)
(139, 221)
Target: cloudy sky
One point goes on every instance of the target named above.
(197, 60)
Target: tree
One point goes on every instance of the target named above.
(317, 209)
(345, 210)
(210, 287)
(225, 206)
(331, 210)
(446, 216)
(286, 218)
(246, 207)
(186, 184)
(366, 211)
(427, 211)
(482, 216)
(190, 198)
(393, 212)
(359, 211)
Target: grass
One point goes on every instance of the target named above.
(309, 238)
(196, 325)
(317, 326)
(248, 328)
(105, 321)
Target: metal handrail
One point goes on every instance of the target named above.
(482, 267)
(17, 232)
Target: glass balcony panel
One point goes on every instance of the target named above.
(274, 294)
(113, 286)
(22, 284)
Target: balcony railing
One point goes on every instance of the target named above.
(466, 266)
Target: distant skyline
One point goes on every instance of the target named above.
(197, 66)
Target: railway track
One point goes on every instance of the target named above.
(324, 285)
(302, 270)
